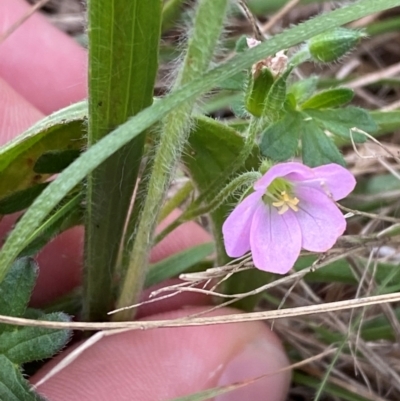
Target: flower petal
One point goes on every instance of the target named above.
(285, 170)
(340, 181)
(320, 220)
(236, 228)
(333, 179)
(275, 239)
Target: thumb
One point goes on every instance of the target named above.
(163, 364)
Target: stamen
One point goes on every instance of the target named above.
(286, 202)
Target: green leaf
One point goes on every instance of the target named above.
(257, 90)
(124, 37)
(55, 161)
(238, 109)
(13, 387)
(341, 272)
(67, 215)
(235, 83)
(276, 97)
(17, 286)
(379, 328)
(332, 390)
(387, 121)
(224, 100)
(303, 88)
(94, 156)
(19, 344)
(63, 130)
(317, 147)
(280, 140)
(177, 263)
(210, 157)
(341, 121)
(244, 282)
(21, 199)
(330, 98)
(374, 329)
(28, 344)
(290, 103)
(213, 148)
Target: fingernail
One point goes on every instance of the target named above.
(258, 358)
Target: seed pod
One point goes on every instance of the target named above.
(330, 46)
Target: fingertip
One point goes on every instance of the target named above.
(60, 265)
(185, 236)
(40, 62)
(166, 363)
(16, 113)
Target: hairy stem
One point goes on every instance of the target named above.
(207, 27)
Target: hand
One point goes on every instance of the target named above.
(42, 70)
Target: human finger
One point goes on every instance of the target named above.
(60, 261)
(44, 65)
(163, 364)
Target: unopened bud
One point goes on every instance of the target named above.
(257, 91)
(331, 46)
(263, 75)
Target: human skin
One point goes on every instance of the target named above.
(42, 70)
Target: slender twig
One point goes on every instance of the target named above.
(210, 320)
(279, 15)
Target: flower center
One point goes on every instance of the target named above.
(280, 195)
(286, 201)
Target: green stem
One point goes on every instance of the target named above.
(245, 179)
(385, 26)
(181, 195)
(122, 71)
(208, 23)
(300, 57)
(140, 197)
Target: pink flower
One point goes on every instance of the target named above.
(291, 208)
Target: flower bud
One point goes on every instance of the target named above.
(257, 90)
(330, 46)
(263, 74)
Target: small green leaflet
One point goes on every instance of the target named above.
(18, 344)
(280, 140)
(330, 98)
(303, 88)
(317, 148)
(61, 131)
(342, 121)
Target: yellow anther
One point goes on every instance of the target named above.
(286, 202)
